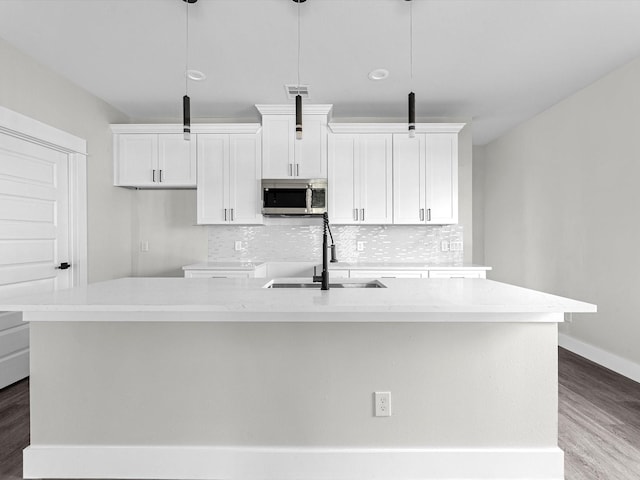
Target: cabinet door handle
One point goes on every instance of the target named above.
(297, 169)
(428, 214)
(225, 214)
(232, 214)
(355, 214)
(153, 176)
(422, 214)
(290, 170)
(362, 214)
(160, 175)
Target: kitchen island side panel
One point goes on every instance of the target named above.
(453, 385)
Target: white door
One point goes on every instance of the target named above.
(176, 160)
(442, 178)
(137, 159)
(34, 237)
(213, 178)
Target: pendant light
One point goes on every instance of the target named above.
(186, 101)
(298, 96)
(412, 96)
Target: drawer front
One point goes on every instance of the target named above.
(216, 274)
(385, 274)
(457, 274)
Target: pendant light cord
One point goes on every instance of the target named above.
(186, 67)
(298, 45)
(411, 40)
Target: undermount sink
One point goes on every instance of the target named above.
(290, 284)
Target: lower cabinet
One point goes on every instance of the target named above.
(229, 173)
(258, 272)
(360, 273)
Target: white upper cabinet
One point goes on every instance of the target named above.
(145, 159)
(425, 178)
(360, 178)
(229, 179)
(285, 157)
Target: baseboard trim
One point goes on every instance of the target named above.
(608, 360)
(262, 463)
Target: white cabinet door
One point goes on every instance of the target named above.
(278, 137)
(408, 179)
(285, 157)
(245, 202)
(135, 159)
(213, 178)
(360, 185)
(343, 155)
(152, 160)
(442, 178)
(425, 179)
(374, 174)
(311, 152)
(228, 179)
(176, 160)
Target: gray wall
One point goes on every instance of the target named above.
(561, 202)
(31, 89)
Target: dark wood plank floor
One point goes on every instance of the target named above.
(599, 423)
(14, 428)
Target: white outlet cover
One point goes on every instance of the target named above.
(382, 404)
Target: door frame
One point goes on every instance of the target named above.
(75, 148)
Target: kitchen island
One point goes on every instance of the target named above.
(222, 378)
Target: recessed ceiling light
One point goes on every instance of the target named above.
(196, 75)
(379, 74)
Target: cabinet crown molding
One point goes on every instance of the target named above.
(290, 109)
(177, 128)
(394, 127)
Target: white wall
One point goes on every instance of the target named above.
(31, 89)
(561, 212)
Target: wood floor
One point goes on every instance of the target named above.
(599, 423)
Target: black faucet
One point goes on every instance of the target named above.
(324, 276)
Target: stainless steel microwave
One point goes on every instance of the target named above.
(294, 196)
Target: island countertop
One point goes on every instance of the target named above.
(248, 296)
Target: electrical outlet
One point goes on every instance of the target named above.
(444, 246)
(382, 403)
(144, 245)
(360, 246)
(237, 245)
(456, 246)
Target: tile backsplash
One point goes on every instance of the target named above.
(300, 240)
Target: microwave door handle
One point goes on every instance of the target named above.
(308, 198)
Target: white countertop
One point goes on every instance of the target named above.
(250, 266)
(248, 296)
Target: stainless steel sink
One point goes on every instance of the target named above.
(370, 284)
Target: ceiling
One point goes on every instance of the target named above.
(498, 62)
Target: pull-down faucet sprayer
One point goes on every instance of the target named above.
(324, 276)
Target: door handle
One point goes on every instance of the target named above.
(362, 214)
(297, 169)
(160, 176)
(225, 214)
(290, 170)
(232, 214)
(428, 214)
(64, 266)
(422, 214)
(153, 176)
(355, 214)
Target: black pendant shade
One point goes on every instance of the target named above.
(412, 115)
(186, 113)
(298, 117)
